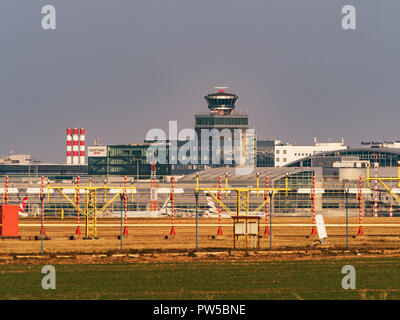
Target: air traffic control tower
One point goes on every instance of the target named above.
(224, 119)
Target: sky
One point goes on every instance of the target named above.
(120, 68)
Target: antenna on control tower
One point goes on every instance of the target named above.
(221, 89)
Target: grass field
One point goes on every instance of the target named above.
(144, 234)
(376, 278)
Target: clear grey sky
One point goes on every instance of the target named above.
(119, 68)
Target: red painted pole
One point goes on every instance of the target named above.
(360, 228)
(126, 209)
(266, 232)
(219, 233)
(42, 231)
(376, 188)
(313, 230)
(6, 193)
(173, 232)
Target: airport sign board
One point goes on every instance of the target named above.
(97, 151)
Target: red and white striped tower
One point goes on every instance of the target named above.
(75, 146)
(153, 186)
(376, 190)
(391, 210)
(219, 233)
(69, 146)
(313, 230)
(125, 233)
(173, 232)
(266, 232)
(6, 192)
(82, 146)
(42, 213)
(360, 229)
(78, 202)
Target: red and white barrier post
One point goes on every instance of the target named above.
(125, 233)
(313, 230)
(376, 190)
(266, 232)
(360, 228)
(42, 231)
(219, 233)
(391, 211)
(173, 232)
(6, 192)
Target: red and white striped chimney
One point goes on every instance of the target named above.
(75, 146)
(82, 146)
(69, 146)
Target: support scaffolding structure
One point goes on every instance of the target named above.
(243, 228)
(242, 197)
(384, 182)
(91, 210)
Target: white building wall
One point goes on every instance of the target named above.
(287, 153)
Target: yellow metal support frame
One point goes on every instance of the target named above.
(242, 198)
(381, 181)
(91, 212)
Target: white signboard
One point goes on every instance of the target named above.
(97, 151)
(239, 228)
(252, 228)
(319, 221)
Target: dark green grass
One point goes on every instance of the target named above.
(375, 279)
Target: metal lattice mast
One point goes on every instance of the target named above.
(242, 202)
(91, 214)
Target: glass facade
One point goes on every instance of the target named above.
(222, 121)
(293, 200)
(385, 157)
(38, 169)
(127, 160)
